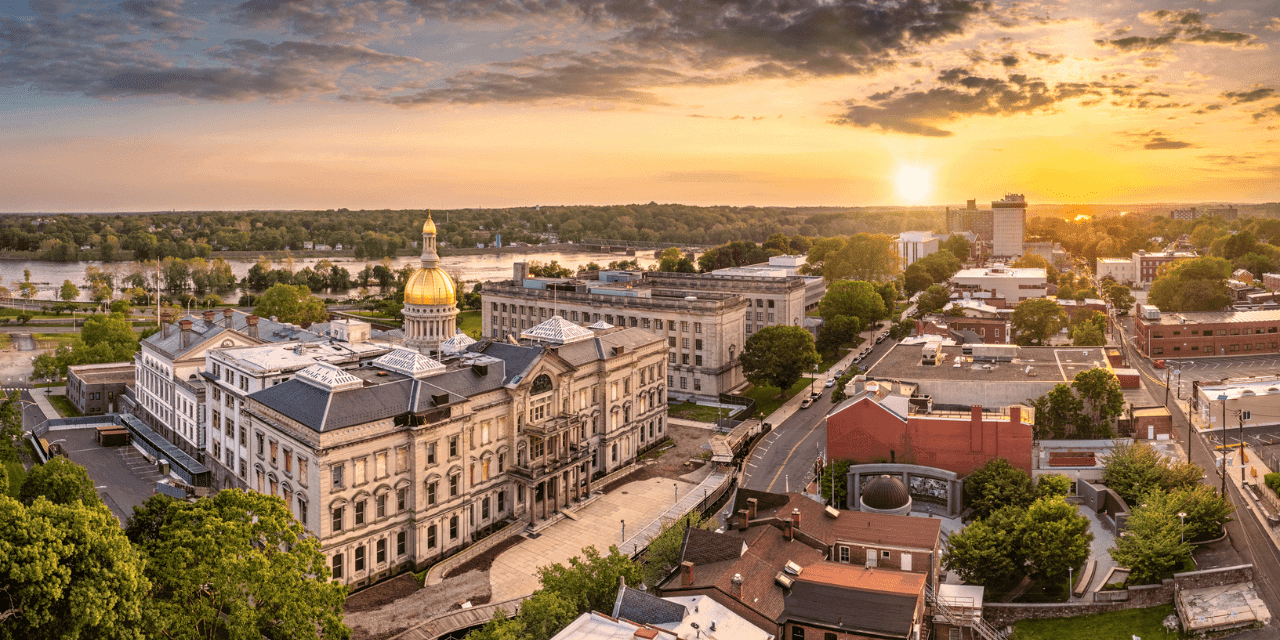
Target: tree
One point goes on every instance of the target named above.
(1036, 320)
(59, 481)
(1057, 412)
(69, 291)
(1154, 544)
(1052, 485)
(1102, 400)
(672, 259)
(590, 582)
(1054, 537)
(1207, 510)
(1193, 284)
(663, 553)
(933, 299)
(291, 303)
(67, 571)
(1132, 469)
(237, 564)
(778, 356)
(840, 330)
(1120, 297)
(995, 485)
(1087, 335)
(852, 298)
(984, 552)
(958, 246)
(840, 469)
(865, 256)
(10, 428)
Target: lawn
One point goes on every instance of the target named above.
(64, 407)
(830, 359)
(53, 340)
(767, 400)
(469, 322)
(378, 317)
(693, 411)
(5, 341)
(16, 474)
(1115, 625)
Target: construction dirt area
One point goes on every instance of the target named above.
(391, 607)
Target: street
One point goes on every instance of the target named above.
(783, 461)
(1248, 538)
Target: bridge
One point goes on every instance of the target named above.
(605, 243)
(455, 621)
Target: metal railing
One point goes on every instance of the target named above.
(974, 622)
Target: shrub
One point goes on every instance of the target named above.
(1273, 481)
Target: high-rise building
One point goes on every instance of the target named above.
(1009, 221)
(972, 219)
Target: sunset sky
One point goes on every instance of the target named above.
(290, 104)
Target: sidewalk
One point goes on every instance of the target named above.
(42, 401)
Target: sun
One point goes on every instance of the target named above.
(914, 183)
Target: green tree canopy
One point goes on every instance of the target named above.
(69, 291)
(933, 299)
(291, 303)
(1036, 320)
(852, 298)
(1120, 297)
(1134, 468)
(1154, 544)
(864, 256)
(1193, 284)
(1101, 397)
(1054, 537)
(778, 356)
(958, 245)
(986, 552)
(663, 553)
(67, 571)
(237, 565)
(672, 259)
(995, 485)
(59, 481)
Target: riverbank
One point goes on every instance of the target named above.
(127, 256)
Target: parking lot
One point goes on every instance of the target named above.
(123, 477)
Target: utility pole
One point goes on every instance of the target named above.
(1240, 414)
(1223, 399)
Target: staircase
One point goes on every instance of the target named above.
(978, 624)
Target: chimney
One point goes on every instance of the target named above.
(519, 271)
(790, 531)
(1015, 415)
(252, 321)
(751, 507)
(795, 517)
(165, 319)
(735, 586)
(227, 316)
(975, 428)
(208, 316)
(686, 574)
(186, 332)
(742, 519)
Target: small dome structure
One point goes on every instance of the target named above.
(430, 287)
(429, 226)
(886, 494)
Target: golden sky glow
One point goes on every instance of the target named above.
(379, 103)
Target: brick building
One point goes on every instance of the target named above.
(1205, 333)
(865, 428)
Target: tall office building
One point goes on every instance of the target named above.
(1009, 221)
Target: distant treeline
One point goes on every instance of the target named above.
(384, 233)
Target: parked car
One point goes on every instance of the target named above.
(806, 403)
(831, 382)
(839, 372)
(880, 338)
(857, 359)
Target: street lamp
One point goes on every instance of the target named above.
(1182, 517)
(1222, 397)
(1240, 415)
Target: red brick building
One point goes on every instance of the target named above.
(1177, 335)
(865, 430)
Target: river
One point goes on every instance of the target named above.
(49, 276)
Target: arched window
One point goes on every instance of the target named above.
(541, 385)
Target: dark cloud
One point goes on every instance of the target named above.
(1009, 61)
(1161, 142)
(1269, 112)
(1175, 27)
(962, 94)
(161, 15)
(1249, 96)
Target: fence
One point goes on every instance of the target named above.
(58, 424)
(713, 488)
(748, 404)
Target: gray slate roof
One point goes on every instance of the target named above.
(646, 608)
(202, 332)
(890, 614)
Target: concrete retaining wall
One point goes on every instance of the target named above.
(999, 614)
(436, 574)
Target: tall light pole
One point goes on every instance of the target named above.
(1240, 415)
(1222, 397)
(1182, 517)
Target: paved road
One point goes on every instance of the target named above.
(784, 460)
(1248, 538)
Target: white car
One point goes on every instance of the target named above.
(830, 383)
(806, 403)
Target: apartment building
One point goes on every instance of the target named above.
(1205, 333)
(400, 462)
(704, 327)
(1009, 222)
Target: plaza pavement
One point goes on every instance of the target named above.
(599, 524)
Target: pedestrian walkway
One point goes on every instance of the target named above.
(1103, 541)
(42, 401)
(635, 504)
(681, 508)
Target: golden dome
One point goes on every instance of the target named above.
(430, 287)
(428, 226)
